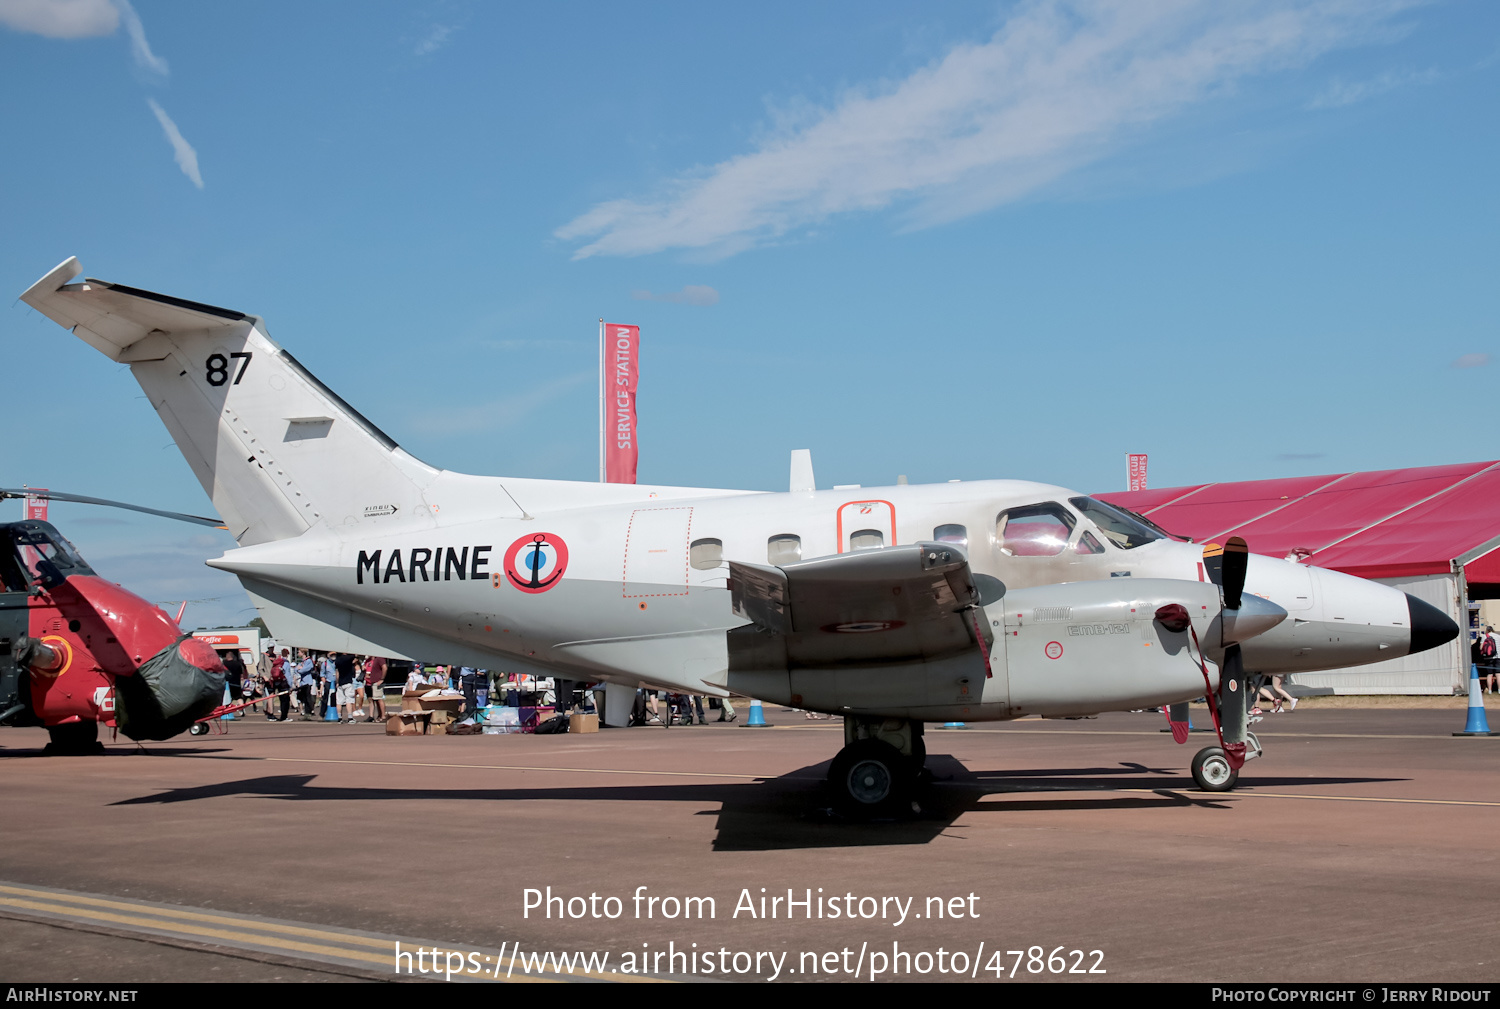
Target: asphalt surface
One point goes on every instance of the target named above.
(1361, 847)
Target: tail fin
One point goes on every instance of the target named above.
(277, 450)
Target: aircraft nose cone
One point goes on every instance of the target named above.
(1255, 616)
(1430, 626)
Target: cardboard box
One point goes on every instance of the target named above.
(411, 700)
(406, 723)
(578, 721)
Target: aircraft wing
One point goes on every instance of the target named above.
(896, 604)
(113, 317)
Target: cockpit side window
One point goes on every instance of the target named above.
(1039, 530)
(42, 554)
(1120, 527)
(13, 577)
(1087, 544)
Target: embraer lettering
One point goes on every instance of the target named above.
(1082, 630)
(444, 563)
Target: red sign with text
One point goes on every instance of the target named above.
(1135, 471)
(621, 363)
(36, 504)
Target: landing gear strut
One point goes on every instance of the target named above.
(876, 772)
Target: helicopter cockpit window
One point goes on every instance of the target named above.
(12, 576)
(1119, 527)
(42, 555)
(1039, 530)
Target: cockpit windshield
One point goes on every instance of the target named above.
(1122, 528)
(37, 553)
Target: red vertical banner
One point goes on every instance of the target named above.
(620, 363)
(1135, 472)
(36, 504)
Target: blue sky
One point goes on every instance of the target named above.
(961, 240)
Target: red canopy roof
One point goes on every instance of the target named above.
(1388, 524)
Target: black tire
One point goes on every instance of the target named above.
(1211, 770)
(74, 739)
(870, 779)
(198, 729)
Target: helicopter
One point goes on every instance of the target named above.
(77, 649)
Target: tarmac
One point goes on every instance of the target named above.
(1361, 847)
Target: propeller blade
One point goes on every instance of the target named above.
(1226, 567)
(1213, 562)
(1236, 564)
(1234, 707)
(52, 495)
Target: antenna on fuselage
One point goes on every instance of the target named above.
(802, 472)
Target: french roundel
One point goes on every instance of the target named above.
(536, 562)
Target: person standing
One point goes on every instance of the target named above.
(343, 666)
(305, 685)
(234, 673)
(1489, 657)
(329, 677)
(280, 689)
(375, 687)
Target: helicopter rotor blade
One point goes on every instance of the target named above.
(52, 495)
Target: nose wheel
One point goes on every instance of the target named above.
(1212, 771)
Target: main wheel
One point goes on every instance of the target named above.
(74, 739)
(870, 779)
(1212, 772)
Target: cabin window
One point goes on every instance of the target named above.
(866, 539)
(952, 534)
(1039, 530)
(784, 549)
(706, 554)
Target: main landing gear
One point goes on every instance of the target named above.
(74, 739)
(876, 773)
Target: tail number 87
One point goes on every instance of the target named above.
(217, 367)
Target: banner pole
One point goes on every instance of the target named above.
(601, 400)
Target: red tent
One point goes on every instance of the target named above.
(1397, 523)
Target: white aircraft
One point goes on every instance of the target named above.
(892, 607)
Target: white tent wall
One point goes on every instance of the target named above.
(1441, 670)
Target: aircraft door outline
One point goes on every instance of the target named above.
(866, 516)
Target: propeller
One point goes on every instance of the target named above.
(1226, 567)
(52, 495)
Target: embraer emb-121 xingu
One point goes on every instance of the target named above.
(893, 607)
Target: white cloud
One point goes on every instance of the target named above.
(1063, 83)
(435, 40)
(501, 414)
(692, 294)
(1340, 93)
(187, 158)
(1471, 361)
(60, 19)
(139, 47)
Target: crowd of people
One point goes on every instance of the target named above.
(309, 683)
(306, 684)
